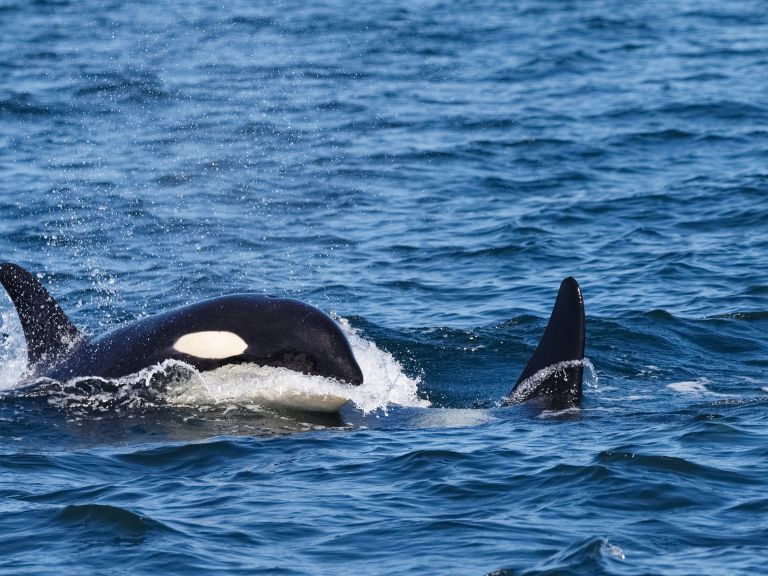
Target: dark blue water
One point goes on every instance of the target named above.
(429, 172)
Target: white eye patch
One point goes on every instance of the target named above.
(211, 344)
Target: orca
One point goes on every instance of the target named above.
(553, 377)
(233, 329)
(251, 328)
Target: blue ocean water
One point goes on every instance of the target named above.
(428, 172)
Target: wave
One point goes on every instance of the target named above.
(112, 519)
(21, 105)
(588, 556)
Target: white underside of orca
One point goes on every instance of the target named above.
(303, 401)
(250, 384)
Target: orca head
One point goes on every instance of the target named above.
(304, 339)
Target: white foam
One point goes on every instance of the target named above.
(691, 386)
(612, 550)
(648, 370)
(384, 381)
(574, 411)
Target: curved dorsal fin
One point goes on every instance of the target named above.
(48, 331)
(562, 348)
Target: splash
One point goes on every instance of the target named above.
(384, 383)
(525, 389)
(175, 383)
(591, 379)
(13, 350)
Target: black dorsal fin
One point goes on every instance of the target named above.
(48, 331)
(561, 348)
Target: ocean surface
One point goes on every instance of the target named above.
(428, 172)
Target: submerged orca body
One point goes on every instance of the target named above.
(262, 330)
(231, 329)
